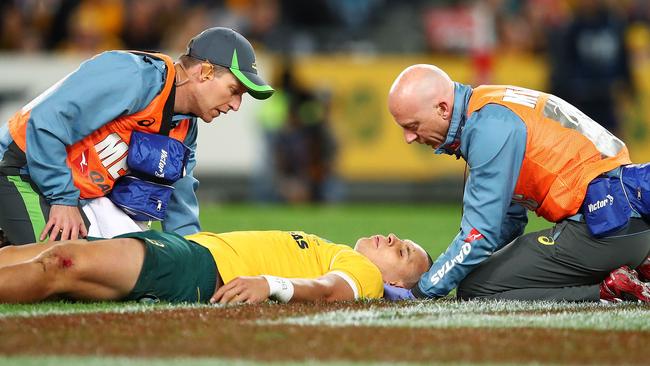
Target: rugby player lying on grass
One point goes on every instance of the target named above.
(246, 266)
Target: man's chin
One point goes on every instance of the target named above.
(358, 245)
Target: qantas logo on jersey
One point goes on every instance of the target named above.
(458, 258)
(112, 152)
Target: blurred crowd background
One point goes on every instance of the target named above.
(326, 134)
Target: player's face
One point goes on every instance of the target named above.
(401, 262)
(218, 95)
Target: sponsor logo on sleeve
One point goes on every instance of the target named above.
(464, 251)
(473, 235)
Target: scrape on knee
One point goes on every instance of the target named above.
(53, 259)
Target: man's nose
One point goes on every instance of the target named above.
(410, 136)
(235, 103)
(391, 239)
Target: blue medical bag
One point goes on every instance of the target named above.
(140, 199)
(157, 156)
(155, 162)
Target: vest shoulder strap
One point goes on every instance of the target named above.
(168, 113)
(168, 109)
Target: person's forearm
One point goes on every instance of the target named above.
(329, 288)
(315, 290)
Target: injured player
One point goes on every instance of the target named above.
(235, 267)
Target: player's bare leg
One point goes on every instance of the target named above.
(14, 254)
(102, 270)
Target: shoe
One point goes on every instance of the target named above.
(644, 270)
(624, 284)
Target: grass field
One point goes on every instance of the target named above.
(351, 333)
(432, 226)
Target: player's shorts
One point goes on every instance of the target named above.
(174, 269)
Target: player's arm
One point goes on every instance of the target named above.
(183, 208)
(330, 287)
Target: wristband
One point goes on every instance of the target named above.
(280, 289)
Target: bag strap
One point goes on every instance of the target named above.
(168, 109)
(168, 113)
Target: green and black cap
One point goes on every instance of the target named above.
(227, 48)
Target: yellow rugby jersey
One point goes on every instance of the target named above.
(292, 254)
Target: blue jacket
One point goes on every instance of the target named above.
(492, 142)
(103, 88)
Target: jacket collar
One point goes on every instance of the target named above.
(451, 146)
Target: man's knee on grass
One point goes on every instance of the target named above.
(470, 288)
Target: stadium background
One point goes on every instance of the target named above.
(343, 55)
(329, 136)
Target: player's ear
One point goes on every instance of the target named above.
(207, 71)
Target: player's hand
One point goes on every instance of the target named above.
(394, 293)
(65, 223)
(250, 290)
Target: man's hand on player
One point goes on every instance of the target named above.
(65, 223)
(249, 290)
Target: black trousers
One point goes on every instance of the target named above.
(561, 263)
(23, 210)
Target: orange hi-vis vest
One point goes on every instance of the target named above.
(565, 149)
(99, 159)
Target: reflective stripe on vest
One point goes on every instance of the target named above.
(565, 149)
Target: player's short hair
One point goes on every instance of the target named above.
(189, 61)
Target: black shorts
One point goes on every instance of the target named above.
(174, 269)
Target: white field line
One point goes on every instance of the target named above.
(509, 314)
(71, 309)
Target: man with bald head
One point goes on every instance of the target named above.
(529, 150)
